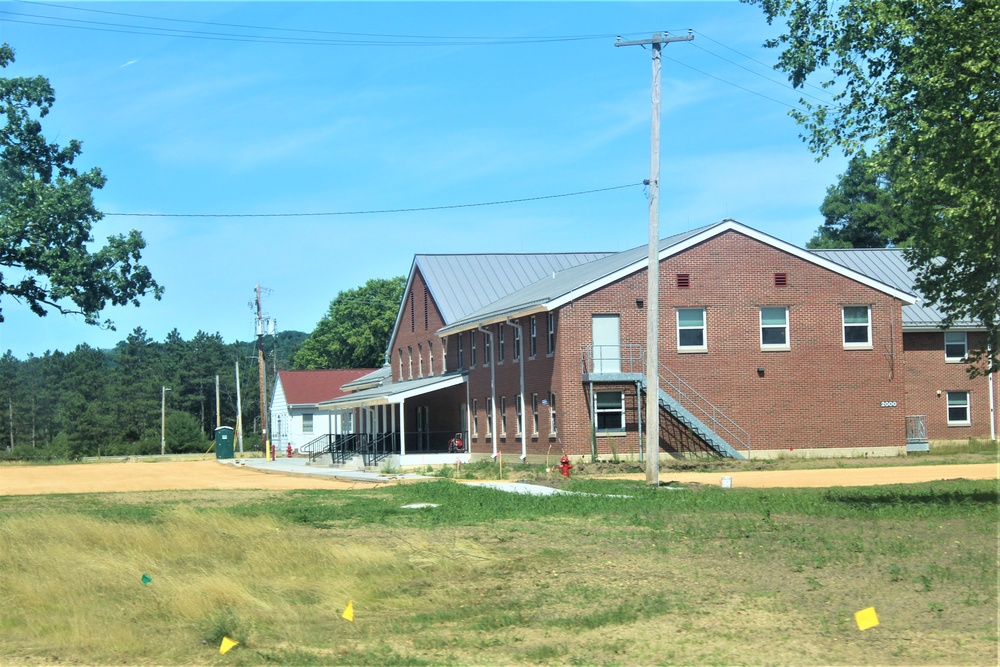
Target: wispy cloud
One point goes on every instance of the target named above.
(131, 62)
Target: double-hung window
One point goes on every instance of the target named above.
(956, 346)
(552, 414)
(472, 349)
(461, 355)
(609, 411)
(489, 416)
(487, 349)
(501, 344)
(517, 343)
(691, 330)
(552, 333)
(533, 329)
(534, 415)
(475, 418)
(857, 327)
(774, 328)
(519, 411)
(307, 423)
(958, 408)
(503, 416)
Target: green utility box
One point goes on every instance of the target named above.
(224, 442)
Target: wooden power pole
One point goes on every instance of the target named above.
(653, 271)
(263, 381)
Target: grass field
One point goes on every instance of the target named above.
(690, 576)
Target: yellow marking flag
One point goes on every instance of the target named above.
(866, 618)
(227, 644)
(349, 612)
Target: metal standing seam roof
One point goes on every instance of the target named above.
(463, 284)
(395, 392)
(552, 287)
(888, 265)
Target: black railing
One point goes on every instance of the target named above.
(347, 445)
(317, 447)
(382, 446)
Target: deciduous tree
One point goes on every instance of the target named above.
(47, 212)
(917, 83)
(355, 331)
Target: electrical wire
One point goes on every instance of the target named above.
(371, 212)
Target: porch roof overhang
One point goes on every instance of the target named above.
(394, 393)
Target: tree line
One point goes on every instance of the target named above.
(91, 402)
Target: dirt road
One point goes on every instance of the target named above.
(194, 475)
(166, 476)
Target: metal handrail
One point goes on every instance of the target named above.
(718, 419)
(313, 448)
(632, 360)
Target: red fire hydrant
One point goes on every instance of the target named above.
(289, 450)
(564, 466)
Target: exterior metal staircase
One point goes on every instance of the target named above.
(699, 417)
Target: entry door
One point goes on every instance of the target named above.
(606, 330)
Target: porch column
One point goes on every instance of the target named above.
(402, 428)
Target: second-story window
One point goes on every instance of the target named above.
(533, 329)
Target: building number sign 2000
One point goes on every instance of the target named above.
(888, 404)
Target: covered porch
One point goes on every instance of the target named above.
(403, 424)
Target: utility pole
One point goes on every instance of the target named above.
(239, 408)
(263, 380)
(653, 271)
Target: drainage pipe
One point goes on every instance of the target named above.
(493, 394)
(524, 408)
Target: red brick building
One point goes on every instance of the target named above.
(765, 348)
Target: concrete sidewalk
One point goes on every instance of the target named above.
(302, 466)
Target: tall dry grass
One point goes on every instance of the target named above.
(73, 582)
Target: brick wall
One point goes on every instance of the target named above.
(930, 378)
(416, 336)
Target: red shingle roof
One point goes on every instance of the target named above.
(311, 387)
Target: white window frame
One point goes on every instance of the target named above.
(966, 404)
(461, 352)
(503, 416)
(552, 333)
(517, 343)
(409, 359)
(420, 359)
(430, 357)
(534, 413)
(533, 332)
(472, 349)
(702, 328)
(963, 339)
(501, 344)
(475, 418)
(519, 413)
(307, 422)
(867, 344)
(487, 349)
(552, 416)
(607, 411)
(489, 417)
(786, 345)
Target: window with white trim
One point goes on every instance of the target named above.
(774, 328)
(517, 343)
(533, 331)
(519, 412)
(472, 349)
(409, 360)
(475, 418)
(400, 364)
(958, 408)
(487, 349)
(609, 411)
(489, 417)
(420, 359)
(503, 416)
(430, 357)
(857, 327)
(307, 423)
(552, 415)
(461, 355)
(552, 333)
(956, 346)
(534, 415)
(501, 344)
(691, 330)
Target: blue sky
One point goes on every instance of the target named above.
(344, 107)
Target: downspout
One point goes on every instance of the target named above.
(993, 414)
(493, 395)
(524, 408)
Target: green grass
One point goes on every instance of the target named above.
(697, 576)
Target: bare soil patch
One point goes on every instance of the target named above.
(165, 476)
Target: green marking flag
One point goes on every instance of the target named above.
(146, 579)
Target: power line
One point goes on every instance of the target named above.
(735, 85)
(322, 32)
(372, 212)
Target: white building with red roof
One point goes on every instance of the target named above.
(295, 418)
